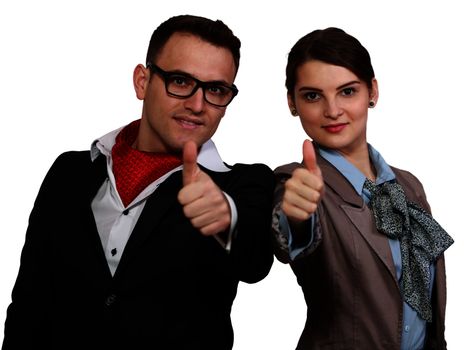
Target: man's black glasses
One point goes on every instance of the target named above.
(184, 85)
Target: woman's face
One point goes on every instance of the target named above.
(332, 103)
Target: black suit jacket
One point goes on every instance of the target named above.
(173, 288)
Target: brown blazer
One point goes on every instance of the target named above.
(348, 280)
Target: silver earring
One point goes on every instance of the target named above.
(294, 112)
(371, 104)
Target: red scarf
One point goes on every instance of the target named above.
(133, 169)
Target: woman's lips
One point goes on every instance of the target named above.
(334, 128)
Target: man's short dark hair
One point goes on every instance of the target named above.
(214, 32)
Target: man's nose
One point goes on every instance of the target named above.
(196, 102)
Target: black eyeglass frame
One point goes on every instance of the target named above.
(198, 84)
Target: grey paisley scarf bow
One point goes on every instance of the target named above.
(422, 240)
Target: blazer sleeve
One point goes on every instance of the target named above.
(27, 315)
(281, 227)
(251, 187)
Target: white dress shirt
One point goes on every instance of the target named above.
(115, 222)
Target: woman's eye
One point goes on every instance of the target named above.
(348, 91)
(311, 96)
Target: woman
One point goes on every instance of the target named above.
(357, 232)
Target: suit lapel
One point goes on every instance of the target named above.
(339, 184)
(358, 213)
(97, 176)
(78, 220)
(155, 209)
(362, 219)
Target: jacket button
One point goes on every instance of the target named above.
(110, 300)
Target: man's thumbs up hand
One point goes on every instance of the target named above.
(190, 170)
(203, 201)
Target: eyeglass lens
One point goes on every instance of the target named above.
(184, 86)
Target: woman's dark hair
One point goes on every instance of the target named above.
(332, 46)
(214, 32)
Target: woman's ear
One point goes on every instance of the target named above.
(291, 105)
(374, 92)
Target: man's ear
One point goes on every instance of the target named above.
(141, 80)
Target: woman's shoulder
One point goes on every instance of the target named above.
(412, 186)
(406, 177)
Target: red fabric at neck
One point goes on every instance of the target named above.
(133, 169)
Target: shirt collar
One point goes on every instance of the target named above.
(353, 174)
(208, 157)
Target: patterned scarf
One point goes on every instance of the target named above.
(133, 169)
(422, 240)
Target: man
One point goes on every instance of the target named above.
(140, 242)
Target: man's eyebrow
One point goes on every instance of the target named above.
(181, 72)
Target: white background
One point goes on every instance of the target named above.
(65, 79)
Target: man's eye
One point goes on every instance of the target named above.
(179, 80)
(217, 90)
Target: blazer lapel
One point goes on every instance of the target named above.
(362, 219)
(359, 214)
(82, 233)
(155, 208)
(337, 182)
(98, 175)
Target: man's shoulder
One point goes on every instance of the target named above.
(75, 164)
(259, 167)
(259, 170)
(287, 169)
(74, 156)
(72, 173)
(256, 174)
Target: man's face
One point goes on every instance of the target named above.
(167, 121)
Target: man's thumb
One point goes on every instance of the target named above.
(191, 169)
